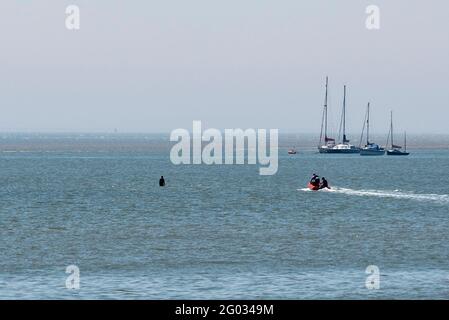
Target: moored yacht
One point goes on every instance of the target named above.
(329, 143)
(395, 150)
(370, 149)
(344, 146)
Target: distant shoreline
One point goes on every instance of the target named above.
(10, 142)
(281, 132)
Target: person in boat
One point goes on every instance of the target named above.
(315, 181)
(324, 183)
(161, 181)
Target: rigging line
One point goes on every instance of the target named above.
(363, 129)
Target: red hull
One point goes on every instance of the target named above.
(312, 187)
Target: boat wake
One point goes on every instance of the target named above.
(442, 198)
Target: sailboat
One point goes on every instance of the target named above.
(370, 149)
(395, 149)
(344, 146)
(329, 143)
(330, 146)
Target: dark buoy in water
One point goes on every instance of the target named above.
(161, 181)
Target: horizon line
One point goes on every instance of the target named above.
(281, 132)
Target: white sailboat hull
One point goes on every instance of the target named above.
(340, 149)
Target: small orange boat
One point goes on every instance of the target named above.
(312, 187)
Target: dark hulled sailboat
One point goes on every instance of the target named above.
(395, 150)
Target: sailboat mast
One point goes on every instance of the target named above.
(367, 126)
(391, 129)
(405, 141)
(325, 111)
(344, 114)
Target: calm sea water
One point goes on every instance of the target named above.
(218, 231)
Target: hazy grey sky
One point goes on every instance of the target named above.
(146, 66)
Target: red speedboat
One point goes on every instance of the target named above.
(312, 187)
